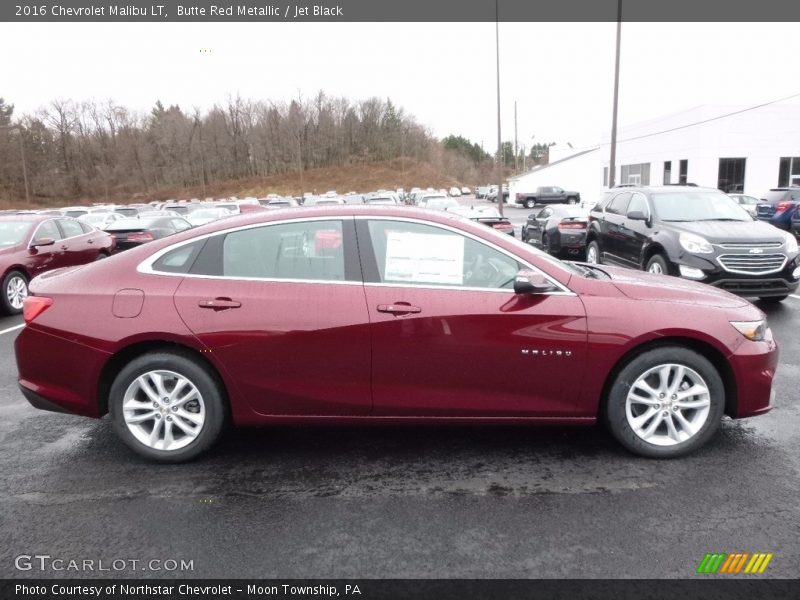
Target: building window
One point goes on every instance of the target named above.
(635, 174)
(605, 176)
(731, 175)
(667, 172)
(683, 174)
(789, 171)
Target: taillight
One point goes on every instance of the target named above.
(783, 206)
(33, 306)
(142, 236)
(572, 225)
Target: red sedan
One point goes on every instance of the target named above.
(356, 314)
(33, 244)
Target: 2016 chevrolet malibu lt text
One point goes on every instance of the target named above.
(351, 314)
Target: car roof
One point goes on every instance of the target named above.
(32, 218)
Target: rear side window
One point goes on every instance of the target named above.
(179, 260)
(86, 227)
(312, 250)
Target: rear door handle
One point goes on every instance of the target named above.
(65, 247)
(399, 308)
(219, 304)
(90, 241)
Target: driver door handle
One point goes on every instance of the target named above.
(400, 308)
(219, 304)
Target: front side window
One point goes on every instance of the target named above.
(312, 250)
(638, 202)
(619, 205)
(48, 229)
(417, 254)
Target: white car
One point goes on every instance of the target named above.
(454, 191)
(465, 191)
(100, 220)
(201, 216)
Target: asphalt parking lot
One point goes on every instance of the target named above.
(380, 502)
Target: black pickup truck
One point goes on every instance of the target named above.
(547, 195)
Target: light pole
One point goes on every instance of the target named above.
(22, 155)
(612, 163)
(499, 140)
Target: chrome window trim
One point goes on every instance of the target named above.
(63, 239)
(146, 266)
(35, 231)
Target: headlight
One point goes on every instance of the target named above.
(791, 243)
(752, 330)
(695, 244)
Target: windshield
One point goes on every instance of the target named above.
(12, 232)
(698, 206)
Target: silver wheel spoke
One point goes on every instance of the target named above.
(192, 418)
(680, 372)
(142, 417)
(145, 386)
(685, 425)
(671, 430)
(639, 421)
(155, 434)
(695, 390)
(187, 428)
(168, 439)
(192, 395)
(651, 428)
(694, 403)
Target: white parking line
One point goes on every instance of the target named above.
(10, 329)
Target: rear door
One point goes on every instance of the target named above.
(634, 235)
(76, 245)
(450, 338)
(281, 306)
(612, 235)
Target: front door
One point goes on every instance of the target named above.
(451, 338)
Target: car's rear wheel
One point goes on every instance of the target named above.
(665, 403)
(15, 290)
(167, 407)
(529, 203)
(657, 265)
(572, 201)
(774, 299)
(546, 243)
(593, 253)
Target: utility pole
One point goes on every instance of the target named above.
(499, 139)
(612, 164)
(516, 152)
(22, 156)
(202, 153)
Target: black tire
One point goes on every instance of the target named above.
(593, 247)
(546, 243)
(572, 200)
(101, 256)
(773, 299)
(10, 299)
(657, 261)
(524, 234)
(616, 415)
(530, 203)
(210, 390)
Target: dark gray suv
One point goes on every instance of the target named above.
(695, 233)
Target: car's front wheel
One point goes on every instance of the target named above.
(665, 403)
(15, 290)
(530, 203)
(167, 406)
(657, 265)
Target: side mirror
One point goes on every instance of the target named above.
(530, 282)
(42, 242)
(637, 215)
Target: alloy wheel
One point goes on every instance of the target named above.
(16, 291)
(591, 255)
(163, 410)
(656, 268)
(668, 404)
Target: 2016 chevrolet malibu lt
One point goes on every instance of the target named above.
(356, 314)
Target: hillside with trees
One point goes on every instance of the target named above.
(71, 151)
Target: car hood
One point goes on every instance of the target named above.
(640, 285)
(718, 232)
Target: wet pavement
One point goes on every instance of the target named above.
(402, 502)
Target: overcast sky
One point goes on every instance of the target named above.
(561, 74)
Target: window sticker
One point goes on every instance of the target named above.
(424, 258)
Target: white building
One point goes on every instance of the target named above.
(732, 148)
(569, 169)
